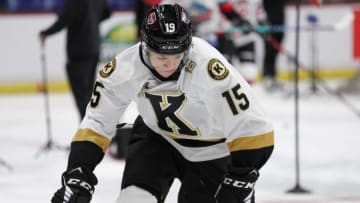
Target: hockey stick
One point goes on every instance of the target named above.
(323, 83)
(344, 21)
(49, 143)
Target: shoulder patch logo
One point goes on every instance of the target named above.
(217, 70)
(108, 68)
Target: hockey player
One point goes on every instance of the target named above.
(199, 121)
(240, 43)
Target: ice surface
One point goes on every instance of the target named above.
(329, 135)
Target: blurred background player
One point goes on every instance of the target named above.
(199, 121)
(238, 42)
(81, 18)
(275, 11)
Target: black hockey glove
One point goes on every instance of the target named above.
(77, 186)
(237, 186)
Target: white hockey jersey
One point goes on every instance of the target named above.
(208, 112)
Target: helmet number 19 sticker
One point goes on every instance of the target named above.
(170, 27)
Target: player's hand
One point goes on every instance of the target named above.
(77, 186)
(237, 186)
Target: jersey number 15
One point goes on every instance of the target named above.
(237, 100)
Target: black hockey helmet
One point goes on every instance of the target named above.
(167, 29)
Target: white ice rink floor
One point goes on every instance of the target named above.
(329, 150)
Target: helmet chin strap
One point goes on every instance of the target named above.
(145, 55)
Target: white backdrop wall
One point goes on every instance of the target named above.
(20, 49)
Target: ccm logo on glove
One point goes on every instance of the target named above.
(85, 185)
(239, 184)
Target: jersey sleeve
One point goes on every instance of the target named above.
(112, 93)
(237, 111)
(109, 101)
